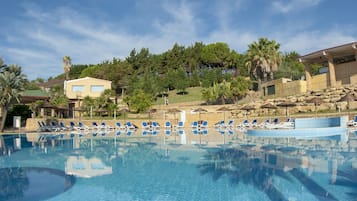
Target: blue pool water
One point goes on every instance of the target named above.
(163, 165)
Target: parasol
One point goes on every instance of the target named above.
(316, 101)
(200, 110)
(247, 108)
(174, 111)
(224, 109)
(286, 104)
(268, 106)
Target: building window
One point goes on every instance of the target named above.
(77, 88)
(271, 90)
(96, 88)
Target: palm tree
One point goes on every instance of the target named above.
(12, 83)
(67, 65)
(263, 58)
(88, 104)
(34, 106)
(224, 91)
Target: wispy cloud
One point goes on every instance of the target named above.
(293, 5)
(181, 27)
(47, 34)
(307, 42)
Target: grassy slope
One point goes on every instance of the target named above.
(194, 94)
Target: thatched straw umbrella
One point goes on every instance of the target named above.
(316, 101)
(286, 104)
(200, 110)
(247, 108)
(174, 111)
(268, 106)
(224, 109)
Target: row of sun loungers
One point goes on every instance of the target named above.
(200, 125)
(268, 124)
(55, 127)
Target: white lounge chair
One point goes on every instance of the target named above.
(145, 125)
(130, 126)
(167, 125)
(119, 126)
(180, 124)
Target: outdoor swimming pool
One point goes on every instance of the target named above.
(184, 165)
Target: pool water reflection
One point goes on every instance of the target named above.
(187, 165)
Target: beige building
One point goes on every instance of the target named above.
(77, 89)
(283, 87)
(88, 86)
(338, 65)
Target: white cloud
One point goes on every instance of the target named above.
(293, 5)
(35, 63)
(308, 42)
(181, 28)
(66, 32)
(48, 35)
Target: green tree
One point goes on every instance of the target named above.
(218, 92)
(239, 64)
(315, 68)
(211, 76)
(170, 79)
(35, 106)
(149, 82)
(174, 58)
(57, 97)
(139, 60)
(263, 58)
(194, 78)
(181, 81)
(12, 83)
(139, 101)
(216, 55)
(193, 58)
(208, 94)
(105, 101)
(240, 87)
(224, 91)
(291, 67)
(90, 71)
(117, 71)
(76, 70)
(111, 107)
(88, 103)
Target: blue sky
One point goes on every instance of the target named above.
(37, 34)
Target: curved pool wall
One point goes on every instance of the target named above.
(308, 128)
(323, 122)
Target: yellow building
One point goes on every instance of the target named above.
(283, 87)
(77, 89)
(88, 86)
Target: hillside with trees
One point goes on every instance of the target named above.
(223, 75)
